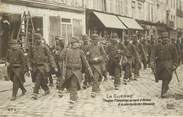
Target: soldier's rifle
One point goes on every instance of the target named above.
(64, 62)
(176, 75)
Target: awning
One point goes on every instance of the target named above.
(110, 21)
(130, 23)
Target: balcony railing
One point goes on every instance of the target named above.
(77, 5)
(72, 3)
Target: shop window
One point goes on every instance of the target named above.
(38, 24)
(14, 20)
(77, 27)
(54, 29)
(66, 29)
(133, 4)
(9, 26)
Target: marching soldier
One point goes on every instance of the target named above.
(131, 55)
(96, 56)
(143, 52)
(49, 66)
(74, 59)
(60, 42)
(165, 58)
(136, 64)
(85, 47)
(104, 44)
(115, 52)
(16, 68)
(175, 42)
(40, 56)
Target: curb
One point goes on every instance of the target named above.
(5, 90)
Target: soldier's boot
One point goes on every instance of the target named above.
(15, 90)
(135, 77)
(13, 98)
(164, 90)
(34, 96)
(116, 87)
(13, 95)
(166, 86)
(47, 92)
(51, 84)
(125, 81)
(85, 85)
(72, 102)
(73, 97)
(60, 93)
(24, 91)
(93, 94)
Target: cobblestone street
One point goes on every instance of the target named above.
(53, 106)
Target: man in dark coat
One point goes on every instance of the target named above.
(115, 51)
(96, 57)
(74, 59)
(16, 67)
(165, 58)
(40, 56)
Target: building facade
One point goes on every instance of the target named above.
(50, 17)
(179, 15)
(70, 17)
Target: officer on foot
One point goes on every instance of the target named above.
(166, 60)
(17, 67)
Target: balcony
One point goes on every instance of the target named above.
(71, 5)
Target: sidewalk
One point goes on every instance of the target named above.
(7, 85)
(2, 71)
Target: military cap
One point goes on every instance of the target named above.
(5, 17)
(85, 38)
(13, 41)
(94, 37)
(59, 38)
(114, 35)
(134, 35)
(165, 35)
(38, 36)
(74, 39)
(126, 36)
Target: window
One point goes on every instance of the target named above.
(66, 29)
(66, 20)
(133, 4)
(77, 27)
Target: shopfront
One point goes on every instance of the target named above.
(132, 26)
(48, 20)
(103, 23)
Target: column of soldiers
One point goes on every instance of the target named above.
(96, 58)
